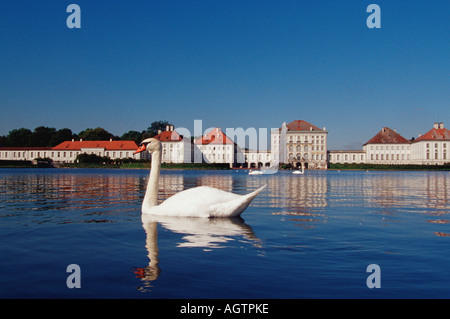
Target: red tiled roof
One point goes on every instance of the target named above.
(300, 125)
(215, 136)
(107, 145)
(168, 136)
(388, 136)
(435, 134)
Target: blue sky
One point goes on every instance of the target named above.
(229, 63)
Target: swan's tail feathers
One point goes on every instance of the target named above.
(255, 193)
(235, 207)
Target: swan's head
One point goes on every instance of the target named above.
(149, 144)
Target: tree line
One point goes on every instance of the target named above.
(43, 136)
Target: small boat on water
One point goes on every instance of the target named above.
(252, 172)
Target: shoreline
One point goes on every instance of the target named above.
(372, 169)
(220, 166)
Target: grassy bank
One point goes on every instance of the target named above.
(445, 167)
(24, 164)
(16, 164)
(178, 166)
(146, 165)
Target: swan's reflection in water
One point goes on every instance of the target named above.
(198, 232)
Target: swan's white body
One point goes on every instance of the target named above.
(202, 201)
(298, 172)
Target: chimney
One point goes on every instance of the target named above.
(441, 125)
(420, 135)
(324, 128)
(159, 132)
(167, 127)
(73, 140)
(436, 125)
(110, 139)
(395, 130)
(171, 128)
(81, 140)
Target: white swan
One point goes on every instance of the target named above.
(202, 201)
(252, 172)
(299, 172)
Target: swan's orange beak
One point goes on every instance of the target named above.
(140, 149)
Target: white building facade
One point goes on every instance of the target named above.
(432, 148)
(175, 147)
(257, 159)
(347, 157)
(24, 153)
(305, 146)
(216, 147)
(387, 147)
(67, 151)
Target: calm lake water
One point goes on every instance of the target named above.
(304, 236)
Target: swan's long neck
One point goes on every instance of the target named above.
(151, 195)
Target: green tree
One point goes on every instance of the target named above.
(3, 141)
(96, 134)
(132, 136)
(19, 137)
(91, 158)
(62, 135)
(42, 136)
(152, 130)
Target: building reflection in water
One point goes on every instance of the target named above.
(303, 197)
(70, 197)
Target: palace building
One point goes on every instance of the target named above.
(67, 151)
(216, 147)
(298, 143)
(302, 145)
(175, 147)
(387, 147)
(432, 148)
